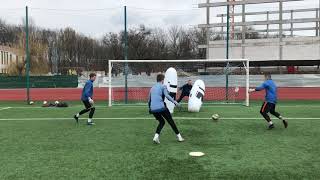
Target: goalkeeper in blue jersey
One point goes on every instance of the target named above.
(158, 108)
(270, 101)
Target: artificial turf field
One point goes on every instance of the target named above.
(46, 143)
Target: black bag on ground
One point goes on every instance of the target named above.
(62, 104)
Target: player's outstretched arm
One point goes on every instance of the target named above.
(259, 88)
(166, 94)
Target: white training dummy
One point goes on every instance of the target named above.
(171, 82)
(196, 96)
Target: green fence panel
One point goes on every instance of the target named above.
(60, 81)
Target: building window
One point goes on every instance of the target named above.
(7, 58)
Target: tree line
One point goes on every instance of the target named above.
(58, 51)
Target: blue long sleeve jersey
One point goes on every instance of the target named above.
(271, 91)
(156, 98)
(87, 91)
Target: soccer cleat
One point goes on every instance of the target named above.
(76, 118)
(156, 140)
(90, 123)
(180, 138)
(285, 123)
(271, 126)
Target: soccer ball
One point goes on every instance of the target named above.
(236, 90)
(45, 102)
(57, 102)
(215, 117)
(31, 102)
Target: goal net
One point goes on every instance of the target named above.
(226, 81)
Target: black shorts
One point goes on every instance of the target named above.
(165, 113)
(268, 107)
(87, 104)
(185, 94)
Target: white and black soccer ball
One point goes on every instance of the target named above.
(45, 102)
(215, 117)
(57, 102)
(31, 102)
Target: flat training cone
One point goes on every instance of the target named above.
(196, 154)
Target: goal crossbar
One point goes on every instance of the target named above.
(181, 60)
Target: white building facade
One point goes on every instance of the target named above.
(9, 56)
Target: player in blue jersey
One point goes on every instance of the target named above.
(86, 98)
(271, 98)
(158, 108)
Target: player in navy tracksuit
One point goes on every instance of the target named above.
(86, 98)
(158, 108)
(270, 101)
(185, 90)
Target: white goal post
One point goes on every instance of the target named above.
(245, 63)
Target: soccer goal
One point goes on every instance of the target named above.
(226, 81)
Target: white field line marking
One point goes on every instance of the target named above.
(5, 108)
(205, 106)
(218, 106)
(142, 118)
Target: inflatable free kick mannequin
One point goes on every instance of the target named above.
(171, 82)
(196, 96)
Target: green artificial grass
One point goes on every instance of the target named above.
(46, 143)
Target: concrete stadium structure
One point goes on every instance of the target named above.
(272, 46)
(294, 48)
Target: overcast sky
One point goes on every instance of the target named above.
(97, 17)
